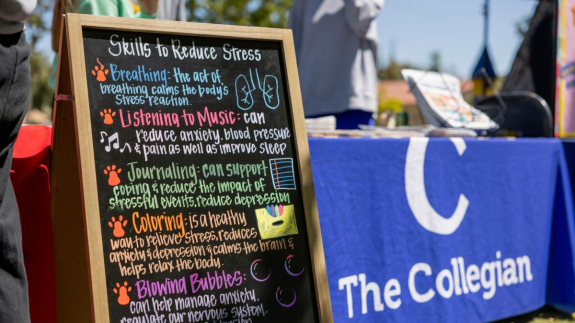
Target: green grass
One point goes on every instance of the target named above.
(544, 315)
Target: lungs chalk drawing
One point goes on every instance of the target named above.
(417, 199)
(269, 88)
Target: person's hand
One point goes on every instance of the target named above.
(149, 7)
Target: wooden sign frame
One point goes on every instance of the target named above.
(80, 273)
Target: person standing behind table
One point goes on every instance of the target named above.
(114, 8)
(172, 10)
(336, 48)
(15, 84)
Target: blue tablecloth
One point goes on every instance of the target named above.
(561, 289)
(444, 230)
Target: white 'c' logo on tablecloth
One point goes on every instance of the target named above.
(424, 213)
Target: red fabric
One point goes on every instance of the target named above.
(31, 180)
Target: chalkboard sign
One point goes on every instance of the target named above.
(182, 182)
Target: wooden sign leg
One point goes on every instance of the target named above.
(72, 280)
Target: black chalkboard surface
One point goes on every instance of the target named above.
(191, 180)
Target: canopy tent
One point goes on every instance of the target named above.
(534, 67)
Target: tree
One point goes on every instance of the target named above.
(435, 61)
(393, 70)
(42, 95)
(261, 13)
(390, 105)
(37, 27)
(522, 26)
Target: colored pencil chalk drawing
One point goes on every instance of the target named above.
(276, 225)
(282, 173)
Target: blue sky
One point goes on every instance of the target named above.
(412, 29)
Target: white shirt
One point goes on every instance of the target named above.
(336, 46)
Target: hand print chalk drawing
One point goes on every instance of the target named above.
(269, 88)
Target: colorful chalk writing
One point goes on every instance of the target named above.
(201, 208)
